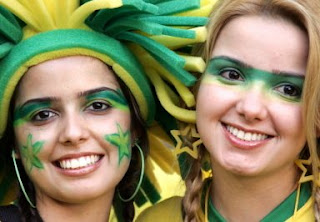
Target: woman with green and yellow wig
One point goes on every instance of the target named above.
(79, 84)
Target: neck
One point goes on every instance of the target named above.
(94, 210)
(250, 198)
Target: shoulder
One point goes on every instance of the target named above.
(167, 210)
(9, 213)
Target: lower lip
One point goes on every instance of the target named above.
(242, 144)
(80, 171)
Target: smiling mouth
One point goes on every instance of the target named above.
(246, 136)
(77, 163)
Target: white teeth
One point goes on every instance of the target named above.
(79, 162)
(246, 136)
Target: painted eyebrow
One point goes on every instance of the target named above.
(246, 65)
(39, 100)
(81, 94)
(96, 90)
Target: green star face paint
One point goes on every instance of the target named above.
(26, 112)
(227, 71)
(114, 97)
(122, 141)
(29, 153)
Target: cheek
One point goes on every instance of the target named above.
(214, 99)
(288, 119)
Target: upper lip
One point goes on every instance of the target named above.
(248, 130)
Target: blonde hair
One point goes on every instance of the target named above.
(302, 13)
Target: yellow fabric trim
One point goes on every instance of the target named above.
(20, 11)
(62, 12)
(162, 150)
(135, 89)
(176, 42)
(194, 64)
(204, 10)
(39, 10)
(150, 63)
(305, 213)
(183, 91)
(167, 210)
(85, 10)
(181, 114)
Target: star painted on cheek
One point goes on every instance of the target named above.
(190, 132)
(122, 141)
(30, 153)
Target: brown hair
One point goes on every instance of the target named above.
(302, 13)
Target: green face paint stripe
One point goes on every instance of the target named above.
(30, 153)
(252, 75)
(116, 98)
(24, 113)
(122, 141)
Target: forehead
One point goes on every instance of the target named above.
(271, 44)
(65, 77)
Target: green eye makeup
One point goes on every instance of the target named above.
(115, 98)
(231, 72)
(25, 112)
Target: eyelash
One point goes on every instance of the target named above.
(35, 116)
(225, 74)
(297, 90)
(104, 104)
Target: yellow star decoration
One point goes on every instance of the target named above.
(301, 164)
(206, 174)
(188, 130)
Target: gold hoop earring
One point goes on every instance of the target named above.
(140, 179)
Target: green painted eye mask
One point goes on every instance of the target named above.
(26, 112)
(228, 71)
(115, 98)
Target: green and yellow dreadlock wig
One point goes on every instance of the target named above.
(138, 39)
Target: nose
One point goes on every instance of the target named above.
(252, 105)
(73, 130)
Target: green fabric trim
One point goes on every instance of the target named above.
(9, 26)
(167, 58)
(150, 191)
(286, 208)
(281, 213)
(56, 40)
(177, 6)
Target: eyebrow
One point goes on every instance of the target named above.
(80, 94)
(96, 90)
(246, 65)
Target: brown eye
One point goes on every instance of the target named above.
(231, 74)
(289, 90)
(98, 106)
(43, 115)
